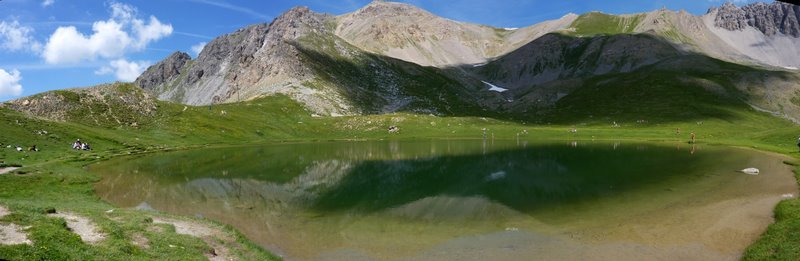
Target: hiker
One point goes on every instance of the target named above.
(77, 145)
(33, 148)
(85, 146)
(693, 136)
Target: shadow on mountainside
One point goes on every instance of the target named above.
(378, 84)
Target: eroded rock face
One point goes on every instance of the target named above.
(238, 65)
(770, 19)
(162, 71)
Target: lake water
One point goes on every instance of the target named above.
(467, 200)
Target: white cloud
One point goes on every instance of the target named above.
(197, 48)
(124, 70)
(14, 37)
(9, 83)
(147, 33)
(47, 3)
(110, 39)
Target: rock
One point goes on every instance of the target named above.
(751, 171)
(770, 18)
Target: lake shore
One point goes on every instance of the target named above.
(56, 178)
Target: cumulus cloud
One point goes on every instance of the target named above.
(15, 37)
(197, 48)
(122, 33)
(9, 83)
(47, 3)
(124, 70)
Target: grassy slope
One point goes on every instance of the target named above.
(596, 23)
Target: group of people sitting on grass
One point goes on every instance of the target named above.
(78, 145)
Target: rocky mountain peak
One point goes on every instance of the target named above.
(296, 22)
(166, 69)
(770, 19)
(380, 8)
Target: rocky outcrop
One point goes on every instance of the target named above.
(168, 68)
(238, 65)
(770, 19)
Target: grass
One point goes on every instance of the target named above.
(55, 176)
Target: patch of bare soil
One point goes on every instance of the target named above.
(139, 240)
(217, 239)
(85, 228)
(11, 234)
(7, 170)
(4, 212)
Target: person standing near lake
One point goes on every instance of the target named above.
(693, 136)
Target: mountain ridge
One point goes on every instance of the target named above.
(370, 60)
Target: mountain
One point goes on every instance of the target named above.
(767, 33)
(389, 57)
(411, 34)
(299, 55)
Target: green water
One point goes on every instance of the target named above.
(465, 199)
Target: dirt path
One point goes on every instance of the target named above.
(11, 234)
(85, 228)
(7, 170)
(214, 237)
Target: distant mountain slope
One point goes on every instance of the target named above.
(408, 33)
(758, 33)
(555, 56)
(767, 33)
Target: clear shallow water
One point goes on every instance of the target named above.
(444, 200)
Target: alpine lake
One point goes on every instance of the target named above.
(467, 199)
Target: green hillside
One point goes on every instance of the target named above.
(596, 23)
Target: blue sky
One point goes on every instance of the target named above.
(57, 44)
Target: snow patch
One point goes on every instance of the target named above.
(495, 88)
(790, 68)
(510, 28)
(478, 65)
